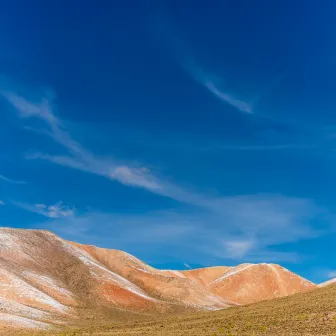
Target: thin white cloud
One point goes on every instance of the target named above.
(28, 109)
(2, 203)
(214, 85)
(82, 159)
(249, 224)
(187, 265)
(171, 40)
(254, 147)
(9, 180)
(57, 210)
(238, 248)
(135, 176)
(239, 228)
(79, 158)
(240, 105)
(252, 224)
(331, 274)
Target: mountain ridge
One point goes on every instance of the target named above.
(47, 281)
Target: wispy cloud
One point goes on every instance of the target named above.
(167, 35)
(57, 210)
(331, 274)
(252, 224)
(79, 157)
(248, 228)
(9, 180)
(238, 248)
(254, 147)
(241, 226)
(2, 203)
(240, 105)
(215, 85)
(28, 109)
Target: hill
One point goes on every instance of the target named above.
(46, 282)
(305, 314)
(327, 283)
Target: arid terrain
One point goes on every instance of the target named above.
(52, 286)
(312, 313)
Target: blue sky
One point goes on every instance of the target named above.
(189, 133)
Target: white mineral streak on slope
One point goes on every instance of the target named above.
(234, 271)
(276, 272)
(17, 308)
(329, 282)
(140, 265)
(223, 304)
(219, 301)
(210, 302)
(45, 280)
(116, 278)
(132, 258)
(141, 270)
(11, 245)
(304, 281)
(213, 298)
(102, 272)
(8, 242)
(11, 283)
(22, 322)
(179, 274)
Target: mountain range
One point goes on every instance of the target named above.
(47, 281)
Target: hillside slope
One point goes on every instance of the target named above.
(260, 282)
(306, 314)
(327, 283)
(46, 281)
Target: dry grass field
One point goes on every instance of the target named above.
(312, 313)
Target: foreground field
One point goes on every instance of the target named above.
(312, 313)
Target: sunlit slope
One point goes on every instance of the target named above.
(46, 282)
